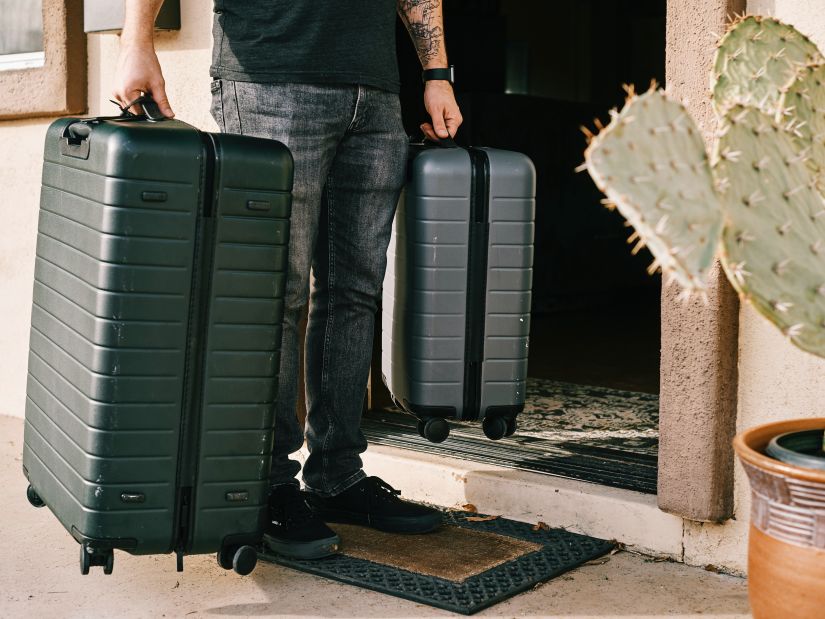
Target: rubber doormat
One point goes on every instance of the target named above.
(472, 563)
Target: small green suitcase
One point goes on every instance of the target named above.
(156, 328)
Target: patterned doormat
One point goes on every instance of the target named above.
(471, 563)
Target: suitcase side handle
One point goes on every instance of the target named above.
(75, 140)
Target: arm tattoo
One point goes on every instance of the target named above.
(424, 22)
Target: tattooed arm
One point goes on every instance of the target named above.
(425, 23)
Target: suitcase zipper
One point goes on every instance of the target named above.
(479, 233)
(189, 443)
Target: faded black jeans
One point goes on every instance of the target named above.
(350, 151)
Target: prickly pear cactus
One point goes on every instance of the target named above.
(756, 59)
(802, 109)
(773, 248)
(652, 164)
(759, 205)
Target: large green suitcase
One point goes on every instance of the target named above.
(156, 327)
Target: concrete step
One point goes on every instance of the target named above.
(631, 518)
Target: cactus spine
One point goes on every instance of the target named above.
(758, 205)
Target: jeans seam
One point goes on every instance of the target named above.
(223, 111)
(237, 106)
(328, 328)
(360, 93)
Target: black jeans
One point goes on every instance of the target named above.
(350, 154)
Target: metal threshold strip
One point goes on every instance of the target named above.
(598, 465)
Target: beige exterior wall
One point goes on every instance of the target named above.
(185, 57)
(775, 380)
(21, 156)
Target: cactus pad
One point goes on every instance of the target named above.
(774, 238)
(802, 110)
(652, 164)
(757, 59)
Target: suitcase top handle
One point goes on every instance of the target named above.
(75, 139)
(150, 108)
(442, 143)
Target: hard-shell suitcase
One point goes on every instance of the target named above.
(155, 337)
(456, 301)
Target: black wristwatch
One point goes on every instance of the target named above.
(439, 74)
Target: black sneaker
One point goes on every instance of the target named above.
(374, 503)
(295, 531)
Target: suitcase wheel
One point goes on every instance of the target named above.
(90, 557)
(434, 429)
(225, 556)
(242, 559)
(495, 427)
(512, 426)
(33, 497)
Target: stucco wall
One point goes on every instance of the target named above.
(776, 380)
(184, 57)
(21, 155)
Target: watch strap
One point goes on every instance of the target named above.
(439, 74)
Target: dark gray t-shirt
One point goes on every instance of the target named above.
(307, 41)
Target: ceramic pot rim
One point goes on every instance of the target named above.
(750, 445)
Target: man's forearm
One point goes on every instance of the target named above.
(425, 23)
(139, 22)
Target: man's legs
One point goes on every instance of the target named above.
(359, 200)
(310, 120)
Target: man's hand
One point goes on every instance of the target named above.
(138, 69)
(424, 20)
(440, 103)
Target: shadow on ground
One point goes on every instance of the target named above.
(39, 577)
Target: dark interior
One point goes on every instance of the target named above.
(530, 74)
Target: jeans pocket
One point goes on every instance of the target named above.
(216, 108)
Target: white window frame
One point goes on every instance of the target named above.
(27, 60)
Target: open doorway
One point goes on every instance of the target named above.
(530, 73)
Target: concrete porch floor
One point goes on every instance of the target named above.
(39, 577)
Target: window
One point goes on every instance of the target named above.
(42, 58)
(21, 34)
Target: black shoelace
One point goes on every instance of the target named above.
(293, 510)
(381, 491)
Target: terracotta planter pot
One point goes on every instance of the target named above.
(786, 550)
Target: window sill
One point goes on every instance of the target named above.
(28, 60)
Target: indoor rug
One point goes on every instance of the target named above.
(592, 415)
(591, 433)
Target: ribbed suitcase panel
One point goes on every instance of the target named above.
(107, 343)
(509, 279)
(243, 343)
(423, 310)
(424, 305)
